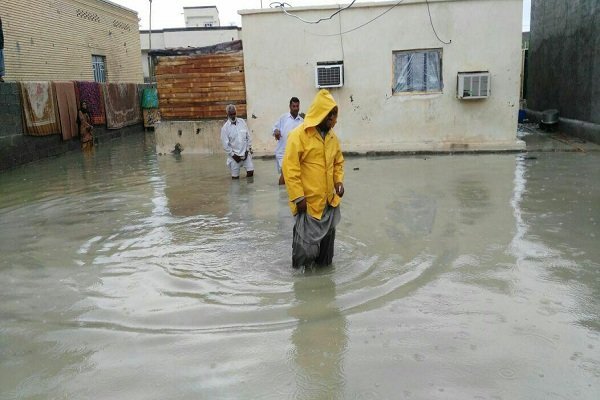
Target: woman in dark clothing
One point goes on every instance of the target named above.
(84, 120)
(2, 71)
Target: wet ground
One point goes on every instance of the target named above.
(552, 139)
(130, 275)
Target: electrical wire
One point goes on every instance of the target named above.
(432, 27)
(360, 26)
(283, 4)
(341, 37)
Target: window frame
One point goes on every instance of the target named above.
(440, 52)
(99, 68)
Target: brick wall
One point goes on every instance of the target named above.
(55, 40)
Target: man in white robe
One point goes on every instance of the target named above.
(237, 143)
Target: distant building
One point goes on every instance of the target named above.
(400, 85)
(564, 64)
(70, 40)
(202, 28)
(201, 17)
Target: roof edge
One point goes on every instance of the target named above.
(337, 6)
(193, 28)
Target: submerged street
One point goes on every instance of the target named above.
(131, 275)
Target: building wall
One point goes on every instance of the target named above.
(280, 55)
(202, 137)
(185, 37)
(564, 58)
(10, 110)
(199, 16)
(55, 40)
(16, 150)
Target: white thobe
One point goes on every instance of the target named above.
(285, 124)
(236, 138)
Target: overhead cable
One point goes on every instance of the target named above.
(282, 5)
(432, 27)
(277, 4)
(360, 26)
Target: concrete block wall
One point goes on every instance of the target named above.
(19, 149)
(202, 137)
(10, 109)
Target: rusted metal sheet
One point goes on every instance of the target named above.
(199, 86)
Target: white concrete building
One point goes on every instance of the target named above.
(399, 86)
(201, 17)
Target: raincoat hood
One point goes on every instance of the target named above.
(322, 104)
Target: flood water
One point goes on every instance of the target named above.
(127, 275)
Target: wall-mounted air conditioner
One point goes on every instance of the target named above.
(329, 74)
(473, 85)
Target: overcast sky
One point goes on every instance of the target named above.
(169, 13)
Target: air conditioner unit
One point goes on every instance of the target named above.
(329, 74)
(473, 85)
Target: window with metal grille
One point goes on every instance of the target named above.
(99, 68)
(417, 71)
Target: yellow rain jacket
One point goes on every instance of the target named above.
(311, 165)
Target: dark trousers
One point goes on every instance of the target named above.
(304, 254)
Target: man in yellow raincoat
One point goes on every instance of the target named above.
(313, 168)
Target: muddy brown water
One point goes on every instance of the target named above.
(130, 275)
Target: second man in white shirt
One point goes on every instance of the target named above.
(286, 123)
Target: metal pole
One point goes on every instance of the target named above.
(150, 45)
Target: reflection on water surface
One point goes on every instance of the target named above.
(131, 275)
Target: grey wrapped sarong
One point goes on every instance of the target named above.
(314, 239)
